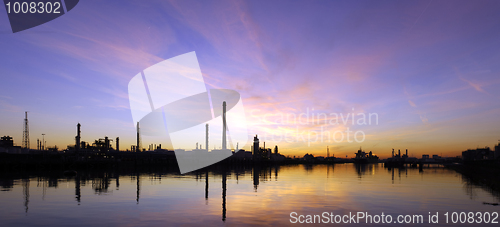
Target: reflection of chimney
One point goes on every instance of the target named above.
(206, 137)
(224, 189)
(206, 184)
(255, 178)
(77, 188)
(224, 125)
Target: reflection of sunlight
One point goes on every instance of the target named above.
(180, 199)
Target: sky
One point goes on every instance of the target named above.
(426, 72)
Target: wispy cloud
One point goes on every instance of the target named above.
(476, 86)
(8, 107)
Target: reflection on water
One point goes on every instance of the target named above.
(224, 185)
(253, 196)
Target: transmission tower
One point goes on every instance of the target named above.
(26, 132)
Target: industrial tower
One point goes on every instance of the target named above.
(206, 137)
(224, 127)
(26, 132)
(138, 147)
(117, 143)
(77, 137)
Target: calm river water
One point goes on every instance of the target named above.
(248, 196)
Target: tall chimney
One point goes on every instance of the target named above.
(106, 143)
(77, 145)
(224, 125)
(117, 143)
(255, 148)
(137, 148)
(206, 137)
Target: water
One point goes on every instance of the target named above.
(263, 196)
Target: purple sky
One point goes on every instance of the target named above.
(429, 69)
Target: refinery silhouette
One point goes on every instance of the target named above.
(101, 154)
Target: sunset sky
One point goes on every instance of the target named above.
(428, 69)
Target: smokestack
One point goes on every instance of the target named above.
(399, 152)
(255, 147)
(117, 144)
(224, 125)
(393, 152)
(206, 137)
(77, 144)
(406, 152)
(137, 148)
(106, 143)
(26, 132)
